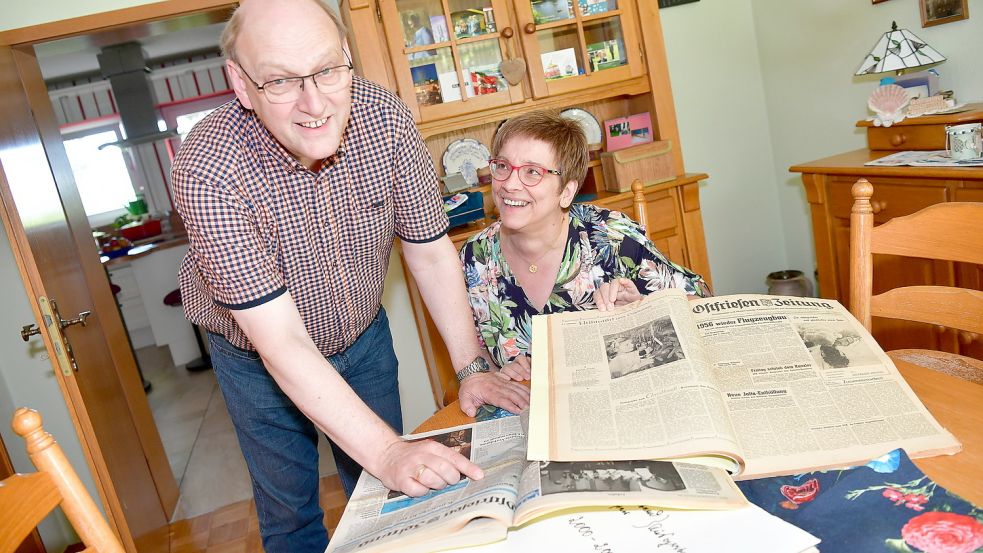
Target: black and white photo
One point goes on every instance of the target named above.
(609, 476)
(644, 347)
(835, 346)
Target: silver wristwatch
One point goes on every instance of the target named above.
(479, 365)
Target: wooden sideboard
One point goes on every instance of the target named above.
(897, 191)
(675, 225)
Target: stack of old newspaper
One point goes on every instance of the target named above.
(736, 386)
(589, 506)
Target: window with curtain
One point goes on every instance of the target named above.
(101, 175)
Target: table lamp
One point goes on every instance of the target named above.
(897, 51)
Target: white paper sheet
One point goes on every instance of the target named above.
(747, 530)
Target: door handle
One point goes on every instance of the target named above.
(27, 331)
(78, 320)
(54, 322)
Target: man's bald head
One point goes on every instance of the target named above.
(252, 12)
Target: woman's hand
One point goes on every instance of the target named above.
(615, 293)
(519, 369)
(492, 388)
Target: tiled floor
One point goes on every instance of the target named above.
(199, 439)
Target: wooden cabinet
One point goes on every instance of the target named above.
(897, 191)
(455, 87)
(921, 133)
(448, 60)
(458, 57)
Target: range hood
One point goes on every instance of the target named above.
(126, 69)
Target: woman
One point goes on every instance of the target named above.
(546, 254)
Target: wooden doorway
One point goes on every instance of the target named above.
(50, 236)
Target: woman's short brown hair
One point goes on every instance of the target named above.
(563, 136)
(230, 33)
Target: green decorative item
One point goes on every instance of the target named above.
(137, 207)
(122, 221)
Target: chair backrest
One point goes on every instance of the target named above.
(25, 499)
(638, 198)
(950, 231)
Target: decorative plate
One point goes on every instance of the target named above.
(587, 122)
(465, 156)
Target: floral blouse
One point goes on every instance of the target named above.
(601, 245)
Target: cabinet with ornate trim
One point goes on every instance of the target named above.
(464, 66)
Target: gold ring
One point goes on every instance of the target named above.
(419, 471)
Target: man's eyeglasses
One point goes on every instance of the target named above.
(530, 174)
(288, 89)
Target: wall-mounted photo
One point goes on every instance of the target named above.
(671, 3)
(937, 12)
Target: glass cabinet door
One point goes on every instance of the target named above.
(576, 44)
(447, 54)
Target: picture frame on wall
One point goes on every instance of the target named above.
(937, 12)
(671, 3)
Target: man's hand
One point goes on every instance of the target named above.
(615, 293)
(492, 388)
(519, 369)
(415, 468)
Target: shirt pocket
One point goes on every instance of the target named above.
(371, 225)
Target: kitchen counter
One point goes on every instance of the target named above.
(146, 274)
(147, 246)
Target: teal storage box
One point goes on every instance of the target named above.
(471, 210)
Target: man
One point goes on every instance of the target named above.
(291, 197)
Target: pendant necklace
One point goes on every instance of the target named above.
(533, 267)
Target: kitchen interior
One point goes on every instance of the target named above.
(124, 98)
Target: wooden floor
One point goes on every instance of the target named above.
(234, 529)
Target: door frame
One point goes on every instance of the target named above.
(18, 43)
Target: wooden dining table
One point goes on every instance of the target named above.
(955, 403)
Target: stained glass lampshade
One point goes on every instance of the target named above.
(898, 50)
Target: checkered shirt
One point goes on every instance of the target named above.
(260, 223)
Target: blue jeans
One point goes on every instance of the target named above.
(280, 444)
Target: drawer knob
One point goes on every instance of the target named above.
(898, 139)
(508, 32)
(966, 338)
(530, 28)
(878, 206)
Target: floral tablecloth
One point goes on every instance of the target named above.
(887, 505)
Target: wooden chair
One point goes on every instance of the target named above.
(25, 499)
(638, 198)
(950, 231)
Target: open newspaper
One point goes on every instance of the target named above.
(515, 491)
(762, 385)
